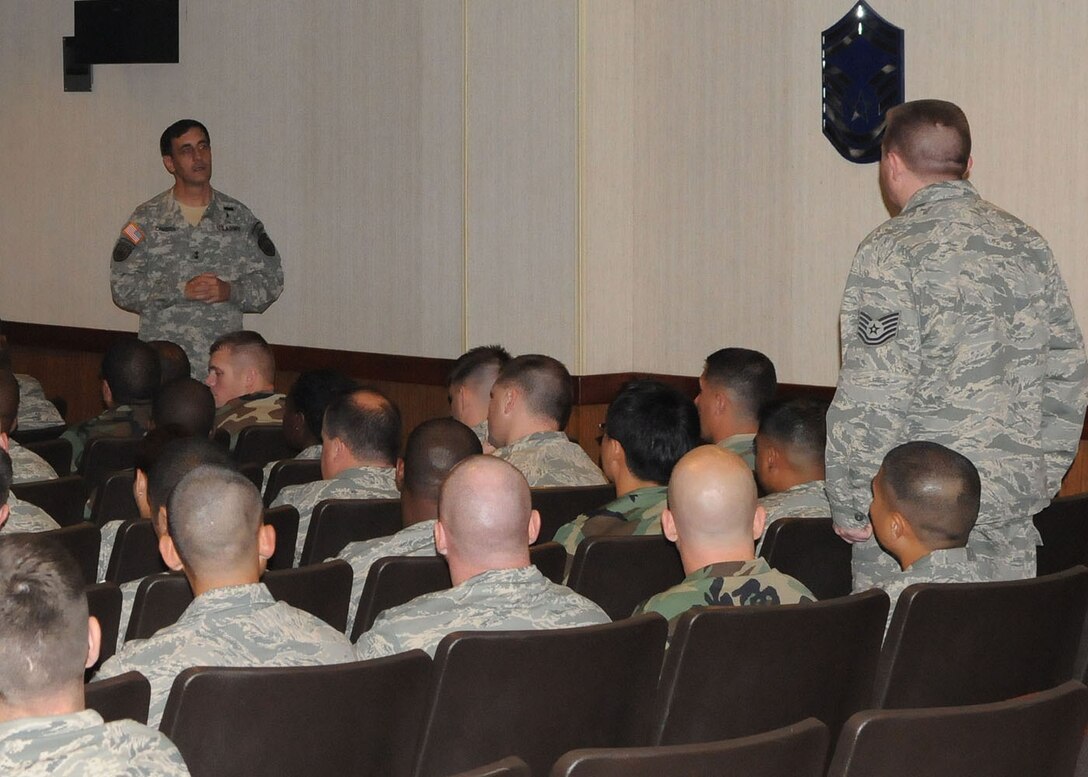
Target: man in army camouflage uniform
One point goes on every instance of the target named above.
(432, 450)
(530, 406)
(485, 526)
(647, 428)
(469, 385)
(714, 518)
(218, 539)
(47, 639)
(925, 503)
(15, 515)
(360, 440)
(241, 374)
(130, 377)
(192, 260)
(735, 385)
(28, 466)
(956, 327)
(790, 447)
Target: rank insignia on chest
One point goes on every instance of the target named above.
(133, 232)
(876, 331)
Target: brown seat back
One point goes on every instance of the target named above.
(113, 501)
(290, 472)
(104, 603)
(135, 553)
(105, 455)
(81, 540)
(262, 443)
(1064, 529)
(63, 498)
(619, 573)
(336, 522)
(284, 519)
(558, 506)
(57, 453)
(123, 697)
(319, 589)
(808, 550)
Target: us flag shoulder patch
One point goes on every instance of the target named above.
(876, 331)
(133, 233)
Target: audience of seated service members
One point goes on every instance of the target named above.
(18, 516)
(735, 385)
(241, 374)
(158, 471)
(35, 411)
(129, 377)
(485, 526)
(47, 639)
(217, 537)
(360, 439)
(469, 383)
(790, 459)
(714, 518)
(432, 450)
(173, 361)
(646, 429)
(304, 409)
(925, 503)
(27, 465)
(186, 403)
(529, 408)
(148, 452)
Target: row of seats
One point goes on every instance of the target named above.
(729, 673)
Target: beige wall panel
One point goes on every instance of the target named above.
(522, 158)
(607, 184)
(337, 123)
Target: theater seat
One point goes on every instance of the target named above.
(619, 573)
(808, 550)
(290, 472)
(336, 522)
(82, 541)
(558, 506)
(63, 498)
(123, 697)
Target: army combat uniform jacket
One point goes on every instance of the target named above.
(496, 600)
(81, 744)
(636, 512)
(956, 328)
(158, 252)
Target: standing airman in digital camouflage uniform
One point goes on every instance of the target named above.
(192, 260)
(529, 408)
(485, 525)
(956, 328)
(47, 639)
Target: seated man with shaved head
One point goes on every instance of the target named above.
(530, 406)
(217, 537)
(360, 439)
(28, 466)
(241, 375)
(433, 448)
(714, 518)
(485, 525)
(47, 639)
(925, 503)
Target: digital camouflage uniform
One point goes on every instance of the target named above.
(26, 517)
(496, 600)
(548, 459)
(953, 565)
(105, 546)
(122, 421)
(481, 431)
(35, 411)
(260, 409)
(805, 500)
(27, 466)
(637, 511)
(414, 540)
(128, 599)
(158, 252)
(311, 453)
(352, 483)
(744, 445)
(956, 328)
(234, 626)
(735, 583)
(80, 744)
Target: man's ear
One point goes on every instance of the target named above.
(168, 163)
(399, 475)
(107, 393)
(759, 522)
(510, 398)
(5, 511)
(534, 526)
(94, 641)
(772, 453)
(668, 525)
(440, 541)
(158, 520)
(266, 541)
(169, 553)
(899, 527)
(5, 443)
(970, 163)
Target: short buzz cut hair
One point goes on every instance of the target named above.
(368, 432)
(932, 136)
(476, 360)
(213, 517)
(176, 460)
(656, 424)
(6, 476)
(130, 368)
(176, 130)
(433, 449)
(748, 375)
(43, 618)
(936, 489)
(252, 345)
(545, 383)
(799, 424)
